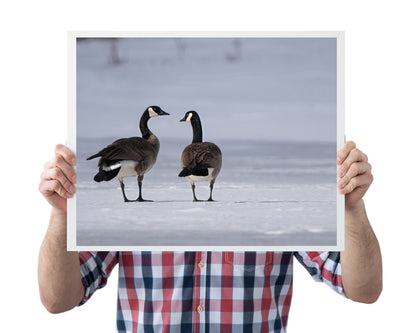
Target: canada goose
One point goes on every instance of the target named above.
(200, 160)
(131, 157)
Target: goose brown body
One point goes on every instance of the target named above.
(202, 154)
(135, 149)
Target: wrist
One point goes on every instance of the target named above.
(356, 209)
(58, 225)
(57, 213)
(356, 221)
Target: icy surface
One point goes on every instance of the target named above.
(281, 194)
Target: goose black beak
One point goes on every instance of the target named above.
(163, 113)
(183, 119)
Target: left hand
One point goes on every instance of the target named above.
(354, 174)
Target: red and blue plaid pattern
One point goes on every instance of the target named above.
(205, 291)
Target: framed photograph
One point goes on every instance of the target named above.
(205, 141)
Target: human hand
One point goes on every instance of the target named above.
(354, 174)
(58, 178)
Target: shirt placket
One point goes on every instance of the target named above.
(200, 279)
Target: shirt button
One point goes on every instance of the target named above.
(199, 309)
(201, 265)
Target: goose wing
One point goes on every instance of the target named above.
(135, 149)
(201, 155)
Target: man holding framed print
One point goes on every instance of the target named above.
(202, 291)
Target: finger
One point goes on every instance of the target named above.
(50, 187)
(355, 155)
(57, 174)
(66, 153)
(344, 151)
(59, 162)
(356, 169)
(362, 182)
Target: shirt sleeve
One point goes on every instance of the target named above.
(95, 267)
(323, 267)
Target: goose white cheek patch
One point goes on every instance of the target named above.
(152, 113)
(188, 119)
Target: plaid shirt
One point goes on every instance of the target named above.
(205, 291)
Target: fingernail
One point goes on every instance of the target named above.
(74, 179)
(71, 189)
(68, 195)
(340, 172)
(74, 161)
(340, 183)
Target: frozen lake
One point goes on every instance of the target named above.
(267, 194)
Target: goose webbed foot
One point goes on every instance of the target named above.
(140, 199)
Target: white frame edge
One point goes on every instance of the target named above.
(72, 37)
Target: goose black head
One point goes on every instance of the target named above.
(155, 111)
(189, 115)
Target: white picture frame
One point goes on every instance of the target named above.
(338, 200)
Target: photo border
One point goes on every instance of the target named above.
(71, 203)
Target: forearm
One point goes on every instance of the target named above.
(361, 261)
(59, 273)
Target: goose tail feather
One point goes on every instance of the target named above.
(106, 175)
(201, 170)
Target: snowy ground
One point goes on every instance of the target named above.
(282, 194)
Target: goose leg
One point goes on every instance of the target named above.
(211, 186)
(122, 189)
(139, 181)
(193, 192)
(193, 188)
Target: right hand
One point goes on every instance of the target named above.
(58, 180)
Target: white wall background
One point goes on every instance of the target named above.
(380, 88)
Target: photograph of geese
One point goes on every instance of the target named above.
(255, 168)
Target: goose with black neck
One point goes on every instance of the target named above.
(130, 157)
(200, 161)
